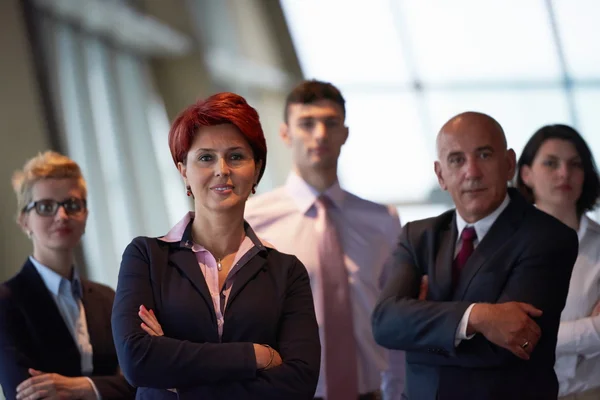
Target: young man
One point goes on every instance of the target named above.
(342, 240)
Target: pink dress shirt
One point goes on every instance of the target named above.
(368, 233)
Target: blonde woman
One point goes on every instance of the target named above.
(55, 334)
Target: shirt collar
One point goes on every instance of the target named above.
(54, 281)
(483, 225)
(176, 232)
(182, 233)
(583, 227)
(305, 195)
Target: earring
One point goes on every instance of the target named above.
(189, 191)
(254, 189)
(29, 234)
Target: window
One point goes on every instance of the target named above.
(114, 125)
(407, 66)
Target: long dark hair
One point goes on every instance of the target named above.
(591, 183)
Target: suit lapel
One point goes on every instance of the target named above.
(256, 262)
(500, 232)
(185, 260)
(96, 322)
(46, 318)
(441, 283)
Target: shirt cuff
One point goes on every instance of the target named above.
(565, 341)
(98, 397)
(580, 337)
(461, 330)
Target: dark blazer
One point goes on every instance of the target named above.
(526, 256)
(270, 303)
(33, 334)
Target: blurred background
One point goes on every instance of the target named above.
(100, 80)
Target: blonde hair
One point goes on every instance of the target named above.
(47, 165)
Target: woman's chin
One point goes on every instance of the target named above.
(228, 204)
(64, 245)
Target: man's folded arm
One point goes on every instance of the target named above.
(428, 329)
(540, 278)
(402, 322)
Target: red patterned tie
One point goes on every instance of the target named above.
(341, 367)
(468, 237)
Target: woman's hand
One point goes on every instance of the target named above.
(150, 322)
(263, 357)
(44, 385)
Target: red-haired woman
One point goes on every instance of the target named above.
(236, 316)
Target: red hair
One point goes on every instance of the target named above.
(220, 108)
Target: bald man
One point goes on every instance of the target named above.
(476, 293)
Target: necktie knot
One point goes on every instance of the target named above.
(468, 234)
(323, 202)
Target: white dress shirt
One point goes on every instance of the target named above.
(482, 227)
(67, 297)
(368, 233)
(578, 347)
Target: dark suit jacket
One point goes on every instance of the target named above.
(270, 303)
(33, 334)
(526, 256)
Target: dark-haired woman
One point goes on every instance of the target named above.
(557, 172)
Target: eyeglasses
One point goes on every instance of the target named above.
(49, 208)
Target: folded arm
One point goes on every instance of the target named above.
(17, 364)
(400, 320)
(297, 343)
(579, 337)
(540, 279)
(215, 370)
(163, 362)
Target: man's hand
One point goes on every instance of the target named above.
(507, 325)
(424, 287)
(596, 310)
(43, 385)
